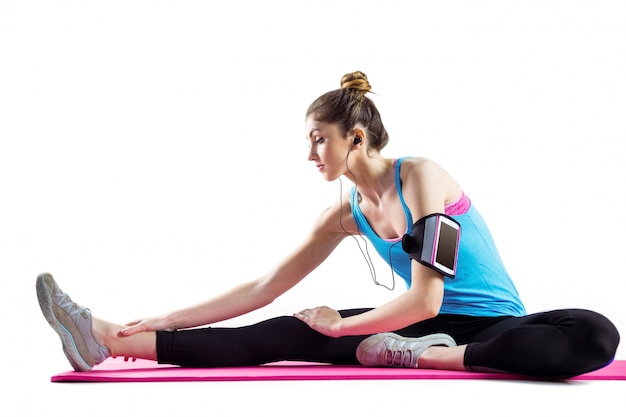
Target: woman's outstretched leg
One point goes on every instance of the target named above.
(87, 341)
(276, 339)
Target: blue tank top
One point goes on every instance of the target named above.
(482, 286)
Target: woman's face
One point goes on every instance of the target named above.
(328, 148)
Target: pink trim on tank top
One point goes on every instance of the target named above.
(459, 207)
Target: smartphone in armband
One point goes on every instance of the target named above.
(434, 242)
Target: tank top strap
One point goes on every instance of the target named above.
(407, 212)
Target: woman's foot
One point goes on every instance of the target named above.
(72, 323)
(393, 350)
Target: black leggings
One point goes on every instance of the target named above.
(552, 344)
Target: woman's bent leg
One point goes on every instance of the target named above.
(276, 339)
(554, 344)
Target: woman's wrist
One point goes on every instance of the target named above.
(173, 321)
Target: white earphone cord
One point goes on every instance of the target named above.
(365, 253)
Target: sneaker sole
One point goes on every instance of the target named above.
(44, 295)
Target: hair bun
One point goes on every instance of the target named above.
(356, 81)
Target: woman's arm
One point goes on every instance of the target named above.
(252, 295)
(426, 189)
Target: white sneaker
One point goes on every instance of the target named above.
(393, 350)
(72, 323)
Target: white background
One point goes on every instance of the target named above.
(152, 154)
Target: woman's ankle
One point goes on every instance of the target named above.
(442, 357)
(106, 334)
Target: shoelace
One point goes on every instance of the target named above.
(72, 308)
(399, 358)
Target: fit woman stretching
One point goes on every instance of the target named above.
(470, 319)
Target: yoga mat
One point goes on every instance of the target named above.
(117, 370)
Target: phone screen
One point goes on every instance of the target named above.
(446, 246)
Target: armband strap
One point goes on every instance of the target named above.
(434, 242)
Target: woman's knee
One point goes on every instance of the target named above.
(599, 337)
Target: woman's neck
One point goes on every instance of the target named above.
(373, 176)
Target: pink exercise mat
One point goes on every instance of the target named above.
(117, 370)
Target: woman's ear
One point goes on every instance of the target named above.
(359, 135)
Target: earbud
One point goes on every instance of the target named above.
(357, 140)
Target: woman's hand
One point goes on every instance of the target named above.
(145, 325)
(322, 319)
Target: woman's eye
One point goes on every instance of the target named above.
(319, 140)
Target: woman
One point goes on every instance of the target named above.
(468, 319)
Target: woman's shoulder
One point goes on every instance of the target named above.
(428, 177)
(419, 165)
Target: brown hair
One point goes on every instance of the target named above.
(348, 107)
